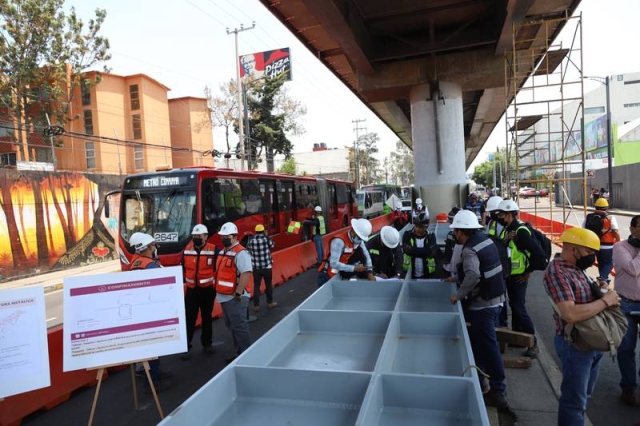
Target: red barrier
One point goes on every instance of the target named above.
(287, 263)
(15, 407)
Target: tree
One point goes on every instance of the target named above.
(223, 108)
(483, 172)
(43, 55)
(289, 166)
(400, 165)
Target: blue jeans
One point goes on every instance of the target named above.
(605, 262)
(485, 345)
(317, 240)
(579, 376)
(520, 319)
(627, 349)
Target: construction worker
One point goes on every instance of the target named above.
(260, 246)
(348, 257)
(418, 209)
(233, 286)
(452, 249)
(399, 218)
(526, 254)
(570, 291)
(386, 253)
(420, 249)
(493, 227)
(146, 257)
(481, 288)
(606, 228)
(318, 229)
(198, 266)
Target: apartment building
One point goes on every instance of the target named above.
(123, 125)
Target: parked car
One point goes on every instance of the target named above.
(527, 192)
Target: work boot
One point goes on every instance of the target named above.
(630, 397)
(532, 352)
(185, 356)
(230, 359)
(272, 305)
(484, 385)
(495, 399)
(209, 350)
(163, 375)
(256, 308)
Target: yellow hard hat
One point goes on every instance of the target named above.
(260, 228)
(602, 202)
(581, 237)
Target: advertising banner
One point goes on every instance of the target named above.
(122, 317)
(271, 63)
(24, 354)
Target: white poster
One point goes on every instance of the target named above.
(122, 317)
(24, 354)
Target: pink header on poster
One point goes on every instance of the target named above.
(131, 285)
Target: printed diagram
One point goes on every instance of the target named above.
(100, 311)
(12, 326)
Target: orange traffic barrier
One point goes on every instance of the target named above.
(15, 407)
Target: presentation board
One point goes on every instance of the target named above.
(122, 317)
(24, 354)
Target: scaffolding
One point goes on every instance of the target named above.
(545, 118)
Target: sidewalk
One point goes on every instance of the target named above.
(53, 280)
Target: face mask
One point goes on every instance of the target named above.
(197, 241)
(494, 216)
(226, 241)
(501, 221)
(635, 242)
(586, 261)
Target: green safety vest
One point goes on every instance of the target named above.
(519, 259)
(386, 209)
(323, 227)
(294, 227)
(493, 228)
(430, 263)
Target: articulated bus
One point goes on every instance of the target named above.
(387, 190)
(167, 204)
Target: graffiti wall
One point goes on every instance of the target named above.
(53, 220)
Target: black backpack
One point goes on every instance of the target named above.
(505, 259)
(594, 222)
(545, 244)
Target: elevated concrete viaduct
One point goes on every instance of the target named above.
(432, 70)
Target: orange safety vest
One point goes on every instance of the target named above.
(141, 262)
(608, 236)
(199, 268)
(226, 276)
(348, 251)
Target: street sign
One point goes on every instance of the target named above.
(590, 173)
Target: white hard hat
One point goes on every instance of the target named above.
(228, 228)
(398, 205)
(508, 206)
(465, 219)
(390, 236)
(493, 203)
(362, 228)
(140, 241)
(318, 209)
(199, 229)
(418, 200)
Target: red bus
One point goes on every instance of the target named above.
(167, 204)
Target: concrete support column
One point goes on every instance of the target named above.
(438, 145)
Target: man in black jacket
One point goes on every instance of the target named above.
(420, 250)
(386, 253)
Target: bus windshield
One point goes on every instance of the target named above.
(167, 214)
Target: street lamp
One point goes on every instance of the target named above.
(606, 82)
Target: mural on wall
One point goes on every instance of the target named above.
(51, 221)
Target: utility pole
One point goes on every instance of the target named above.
(356, 143)
(239, 90)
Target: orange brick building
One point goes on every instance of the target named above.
(135, 127)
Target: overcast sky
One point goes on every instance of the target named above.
(184, 45)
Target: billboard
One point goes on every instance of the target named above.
(271, 63)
